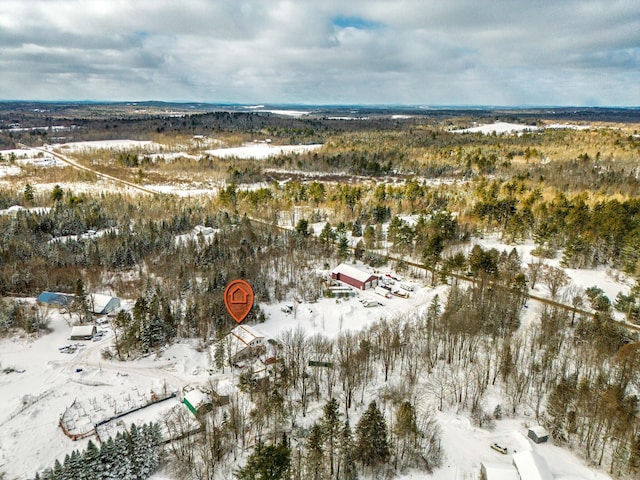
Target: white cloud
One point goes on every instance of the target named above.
(407, 51)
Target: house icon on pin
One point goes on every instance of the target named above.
(238, 295)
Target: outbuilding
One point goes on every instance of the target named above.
(538, 434)
(197, 402)
(103, 304)
(354, 276)
(531, 466)
(498, 471)
(55, 298)
(83, 332)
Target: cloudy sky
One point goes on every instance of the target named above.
(426, 52)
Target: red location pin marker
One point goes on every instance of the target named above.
(238, 298)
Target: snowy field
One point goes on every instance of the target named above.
(260, 151)
(515, 128)
(108, 145)
(498, 128)
(43, 381)
(24, 157)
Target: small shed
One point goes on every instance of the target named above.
(538, 434)
(83, 332)
(103, 304)
(197, 402)
(352, 275)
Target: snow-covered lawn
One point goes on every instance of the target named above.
(331, 316)
(45, 381)
(467, 446)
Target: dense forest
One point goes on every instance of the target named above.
(381, 192)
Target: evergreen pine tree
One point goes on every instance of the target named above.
(29, 194)
(123, 467)
(137, 452)
(73, 468)
(108, 460)
(267, 462)
(347, 469)
(90, 462)
(406, 431)
(58, 471)
(331, 429)
(343, 247)
(149, 449)
(372, 440)
(356, 231)
(315, 453)
(327, 234)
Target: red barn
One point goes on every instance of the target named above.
(352, 275)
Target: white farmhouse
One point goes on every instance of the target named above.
(243, 342)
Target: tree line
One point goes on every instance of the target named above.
(132, 455)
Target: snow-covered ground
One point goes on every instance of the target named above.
(260, 151)
(38, 382)
(45, 382)
(17, 208)
(331, 316)
(516, 128)
(498, 127)
(467, 446)
(23, 157)
(610, 281)
(107, 144)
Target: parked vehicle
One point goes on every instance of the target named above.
(382, 292)
(499, 448)
(369, 303)
(406, 286)
(400, 293)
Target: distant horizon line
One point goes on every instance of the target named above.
(262, 105)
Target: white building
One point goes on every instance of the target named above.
(243, 342)
(498, 471)
(103, 304)
(83, 332)
(531, 466)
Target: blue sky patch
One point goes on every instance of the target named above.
(354, 22)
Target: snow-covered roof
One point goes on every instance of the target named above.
(196, 397)
(240, 338)
(245, 334)
(531, 466)
(103, 303)
(500, 471)
(353, 272)
(83, 331)
(539, 431)
(56, 298)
